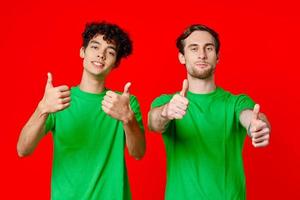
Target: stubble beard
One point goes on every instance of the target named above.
(202, 73)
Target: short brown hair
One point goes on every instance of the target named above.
(197, 27)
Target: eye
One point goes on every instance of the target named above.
(94, 47)
(194, 49)
(112, 53)
(209, 48)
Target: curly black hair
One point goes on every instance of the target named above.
(111, 33)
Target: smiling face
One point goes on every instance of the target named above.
(99, 57)
(200, 57)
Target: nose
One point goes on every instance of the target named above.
(101, 55)
(202, 53)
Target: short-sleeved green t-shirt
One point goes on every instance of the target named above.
(88, 160)
(204, 148)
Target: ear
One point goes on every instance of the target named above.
(218, 58)
(82, 52)
(181, 58)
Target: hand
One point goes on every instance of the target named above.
(118, 106)
(259, 130)
(55, 98)
(178, 105)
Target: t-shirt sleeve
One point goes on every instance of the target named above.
(161, 100)
(243, 102)
(50, 123)
(137, 111)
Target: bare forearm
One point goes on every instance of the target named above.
(156, 121)
(245, 118)
(135, 138)
(32, 132)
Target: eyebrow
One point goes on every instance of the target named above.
(205, 45)
(98, 43)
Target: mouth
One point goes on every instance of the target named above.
(98, 64)
(201, 64)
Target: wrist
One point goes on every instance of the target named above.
(128, 117)
(42, 109)
(163, 113)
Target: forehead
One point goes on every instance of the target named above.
(199, 38)
(98, 39)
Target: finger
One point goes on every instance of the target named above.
(126, 88)
(256, 135)
(180, 112)
(108, 98)
(178, 105)
(256, 111)
(111, 94)
(260, 139)
(107, 104)
(261, 144)
(258, 126)
(106, 110)
(177, 116)
(62, 106)
(185, 87)
(66, 100)
(179, 99)
(66, 105)
(175, 111)
(183, 101)
(65, 94)
(49, 80)
(62, 88)
(181, 106)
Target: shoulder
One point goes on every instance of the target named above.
(232, 97)
(240, 101)
(161, 100)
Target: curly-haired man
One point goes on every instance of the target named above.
(90, 124)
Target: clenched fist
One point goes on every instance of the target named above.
(55, 98)
(116, 105)
(178, 105)
(259, 130)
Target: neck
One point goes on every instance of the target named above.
(201, 86)
(91, 84)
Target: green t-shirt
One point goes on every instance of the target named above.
(88, 161)
(204, 148)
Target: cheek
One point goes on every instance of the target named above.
(85, 62)
(190, 58)
(111, 60)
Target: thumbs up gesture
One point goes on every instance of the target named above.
(178, 105)
(55, 98)
(259, 129)
(117, 105)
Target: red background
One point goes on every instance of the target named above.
(259, 56)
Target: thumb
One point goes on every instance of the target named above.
(256, 111)
(126, 88)
(49, 80)
(185, 87)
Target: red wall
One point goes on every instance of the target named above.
(259, 56)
